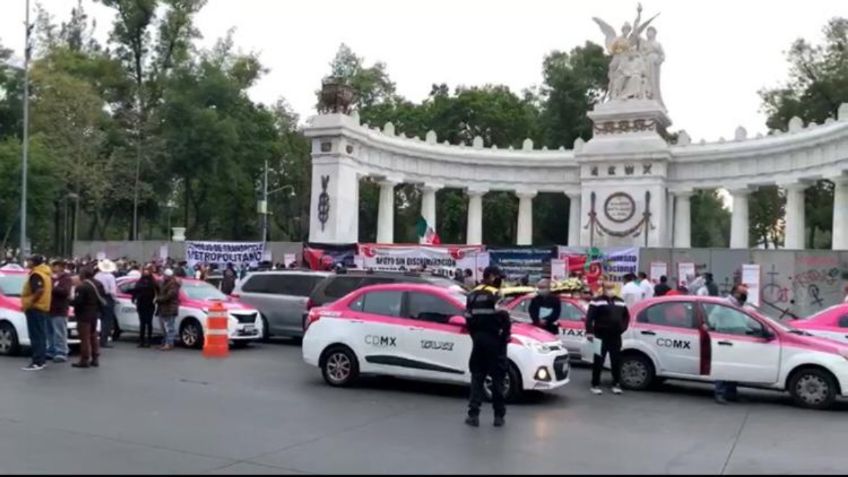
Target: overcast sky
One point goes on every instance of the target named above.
(719, 53)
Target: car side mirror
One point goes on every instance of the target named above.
(768, 334)
(457, 321)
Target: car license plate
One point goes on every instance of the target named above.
(249, 328)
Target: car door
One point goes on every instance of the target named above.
(670, 330)
(441, 349)
(385, 337)
(125, 311)
(740, 349)
(256, 292)
(291, 292)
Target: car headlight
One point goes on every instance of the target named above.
(543, 348)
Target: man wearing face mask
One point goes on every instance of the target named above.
(726, 390)
(489, 329)
(606, 320)
(545, 308)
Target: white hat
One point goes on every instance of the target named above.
(168, 272)
(107, 266)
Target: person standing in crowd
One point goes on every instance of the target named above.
(88, 304)
(717, 320)
(606, 320)
(709, 288)
(168, 303)
(106, 276)
(144, 297)
(647, 287)
(60, 303)
(632, 293)
(134, 272)
(662, 288)
(490, 330)
(228, 282)
(545, 308)
(458, 276)
(35, 303)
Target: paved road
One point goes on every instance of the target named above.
(264, 411)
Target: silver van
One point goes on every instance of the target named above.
(281, 297)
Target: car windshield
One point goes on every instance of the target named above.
(773, 322)
(202, 291)
(12, 285)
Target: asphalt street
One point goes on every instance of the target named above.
(264, 411)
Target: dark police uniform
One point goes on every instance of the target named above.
(489, 329)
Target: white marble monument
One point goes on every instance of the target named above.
(626, 185)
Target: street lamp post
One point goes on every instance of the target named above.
(25, 147)
(263, 204)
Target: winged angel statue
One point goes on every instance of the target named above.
(634, 72)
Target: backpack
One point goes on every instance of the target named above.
(102, 309)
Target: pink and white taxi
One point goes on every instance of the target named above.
(13, 328)
(417, 331)
(831, 323)
(196, 296)
(708, 339)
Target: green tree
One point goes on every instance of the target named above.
(766, 206)
(817, 85)
(710, 220)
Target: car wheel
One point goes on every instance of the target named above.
(813, 388)
(637, 372)
(512, 385)
(339, 366)
(191, 333)
(266, 330)
(9, 345)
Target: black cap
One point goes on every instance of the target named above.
(37, 259)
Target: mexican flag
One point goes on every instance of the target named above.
(426, 233)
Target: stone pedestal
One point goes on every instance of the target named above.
(623, 172)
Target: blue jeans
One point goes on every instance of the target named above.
(725, 389)
(37, 329)
(169, 329)
(57, 337)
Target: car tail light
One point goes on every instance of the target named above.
(312, 317)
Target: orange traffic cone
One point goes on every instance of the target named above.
(217, 341)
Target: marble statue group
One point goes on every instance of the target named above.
(634, 71)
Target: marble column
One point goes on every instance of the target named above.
(840, 213)
(574, 203)
(474, 234)
(428, 203)
(794, 233)
(739, 219)
(386, 215)
(682, 219)
(525, 218)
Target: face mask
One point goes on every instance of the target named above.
(742, 297)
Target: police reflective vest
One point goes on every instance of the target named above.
(482, 300)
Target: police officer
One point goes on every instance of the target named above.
(489, 329)
(606, 320)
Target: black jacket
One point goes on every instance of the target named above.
(607, 316)
(484, 321)
(144, 293)
(660, 289)
(87, 302)
(549, 323)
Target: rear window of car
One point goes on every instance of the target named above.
(256, 284)
(340, 286)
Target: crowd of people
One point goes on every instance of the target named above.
(89, 288)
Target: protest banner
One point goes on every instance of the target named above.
(593, 263)
(442, 258)
(322, 256)
(222, 253)
(658, 269)
(751, 275)
(518, 262)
